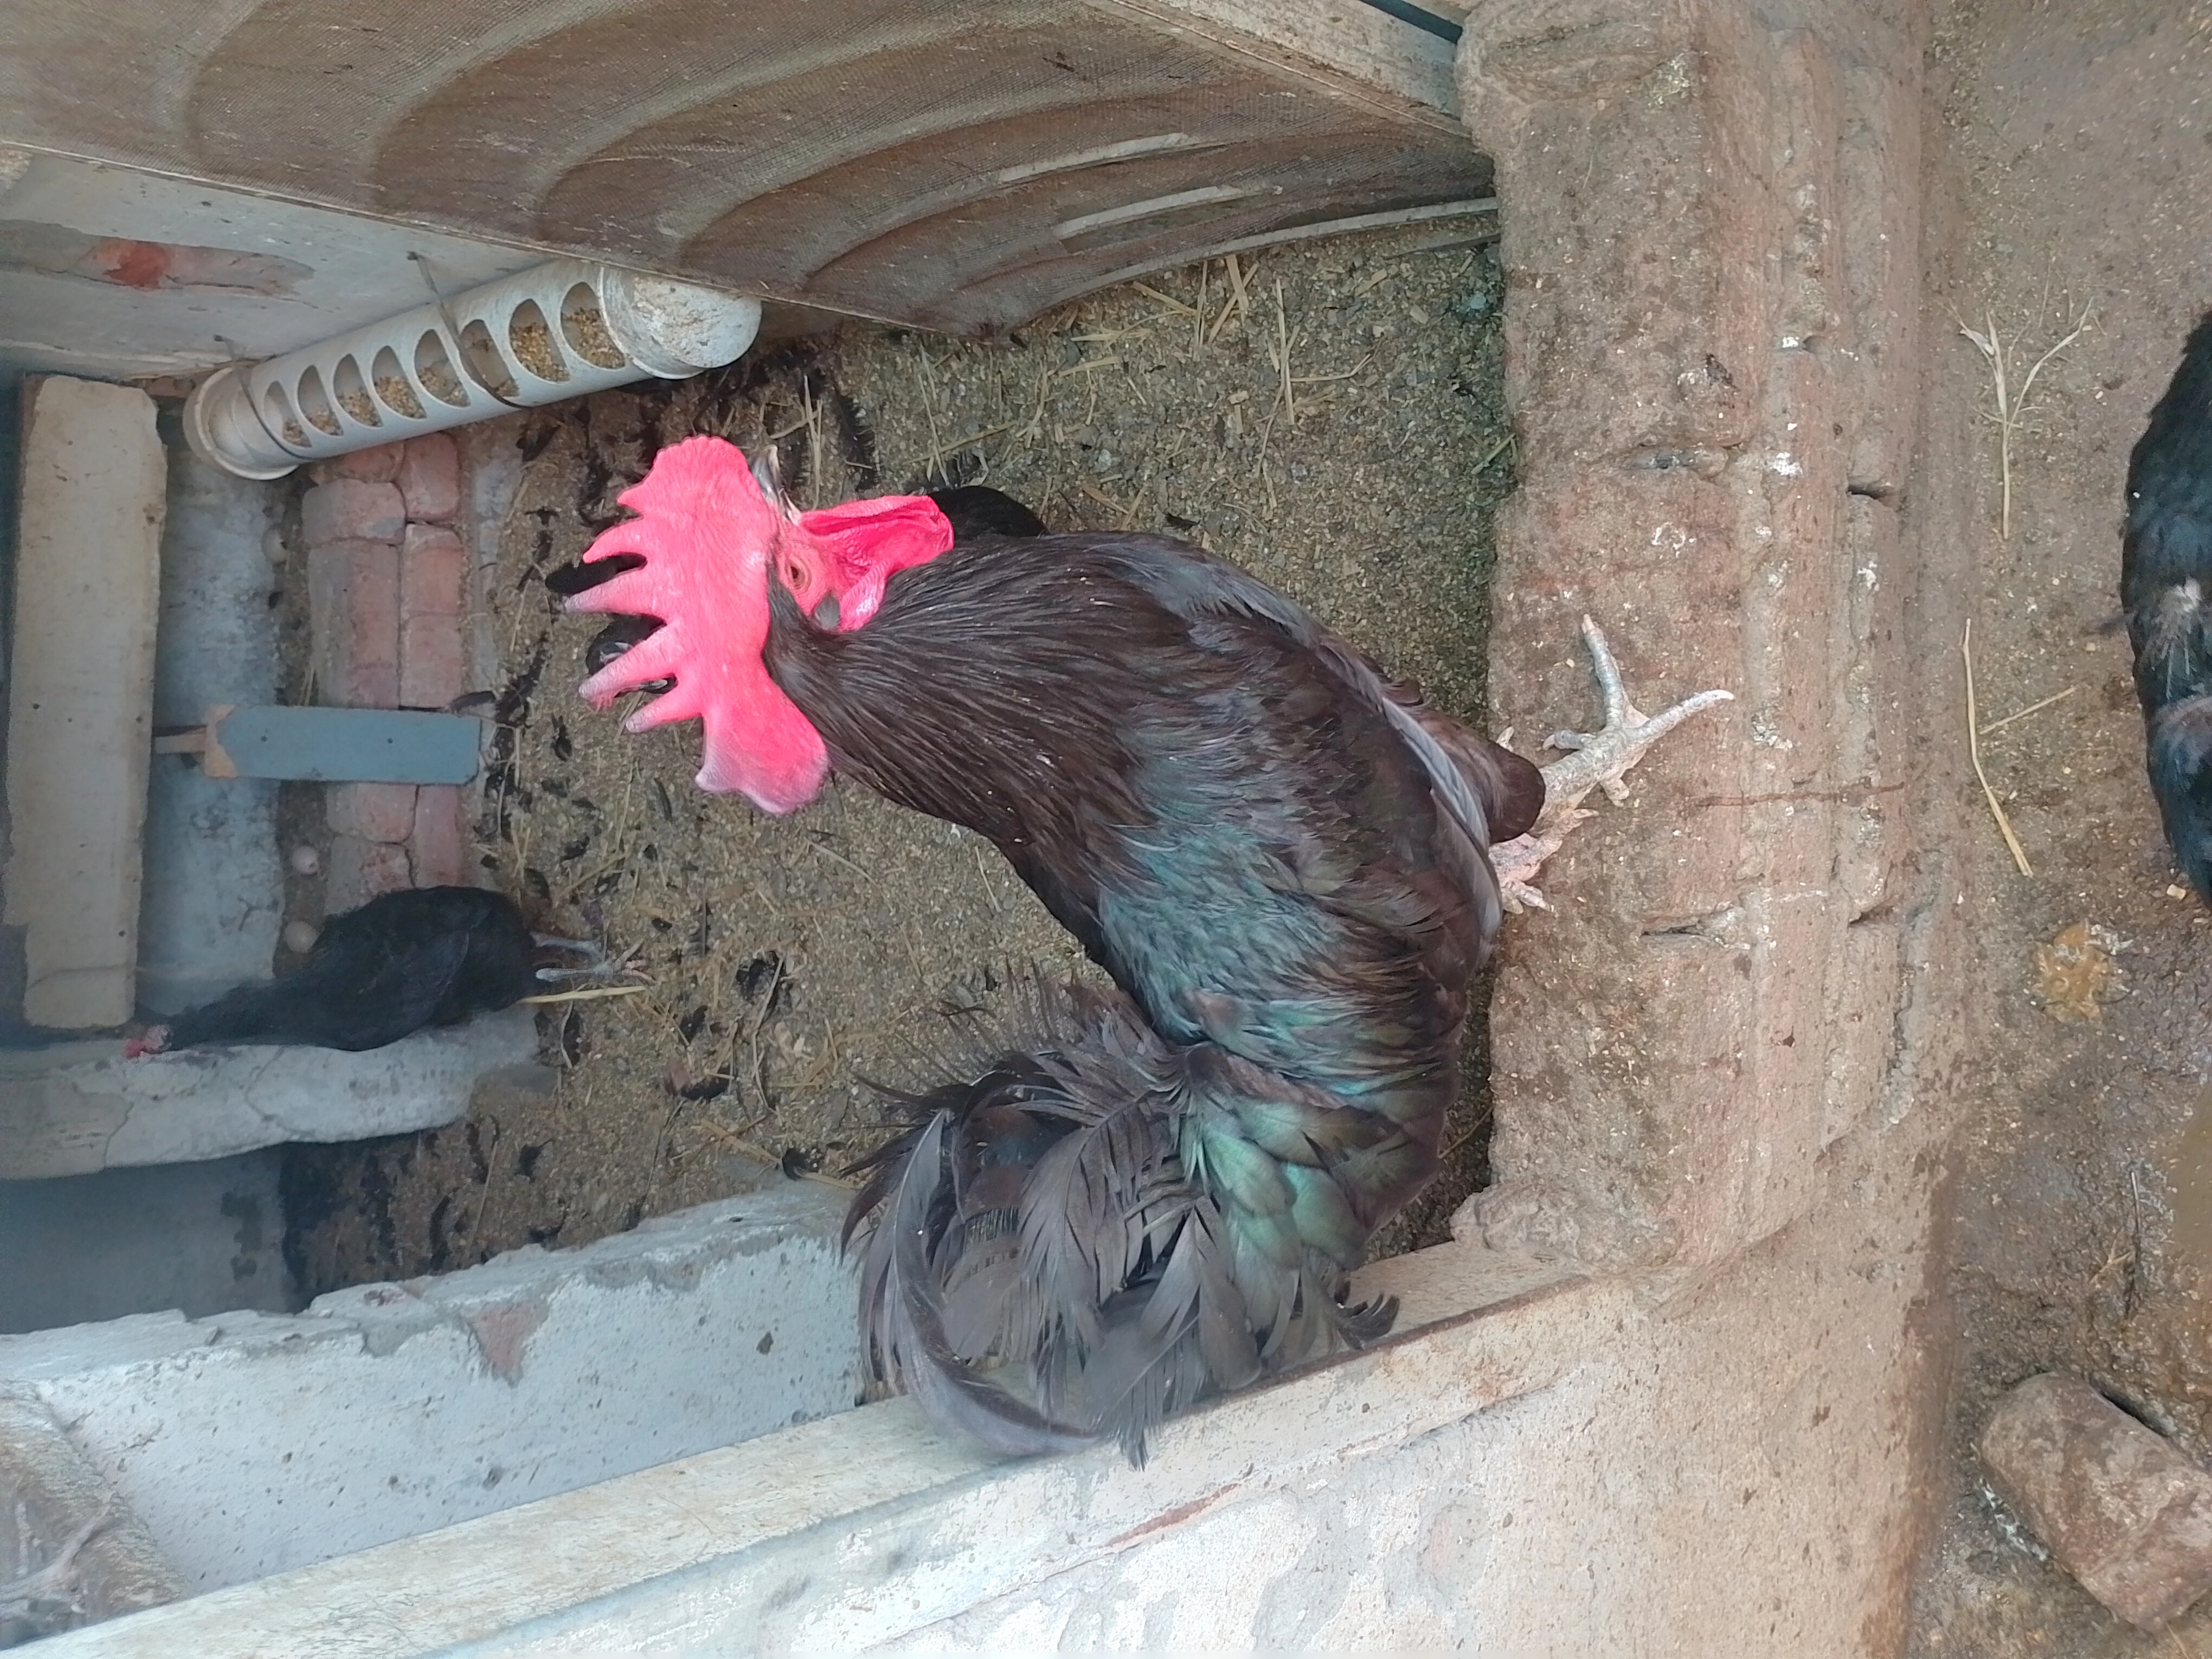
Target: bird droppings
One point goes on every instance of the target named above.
(851, 943)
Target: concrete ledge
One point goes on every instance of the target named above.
(784, 1542)
(1550, 1468)
(1540, 1465)
(79, 1107)
(252, 1444)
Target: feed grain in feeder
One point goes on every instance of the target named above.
(558, 331)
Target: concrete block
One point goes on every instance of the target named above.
(377, 465)
(440, 848)
(433, 572)
(53, 1494)
(352, 510)
(387, 1410)
(358, 870)
(373, 811)
(2121, 1507)
(433, 661)
(352, 604)
(78, 1107)
(81, 700)
(430, 477)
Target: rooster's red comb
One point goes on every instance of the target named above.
(712, 541)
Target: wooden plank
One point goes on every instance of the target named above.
(81, 700)
(1358, 52)
(343, 745)
(969, 131)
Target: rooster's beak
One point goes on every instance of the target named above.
(768, 472)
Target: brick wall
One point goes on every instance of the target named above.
(388, 595)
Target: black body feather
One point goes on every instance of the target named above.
(1280, 858)
(2165, 583)
(404, 961)
(975, 510)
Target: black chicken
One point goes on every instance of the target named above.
(1279, 856)
(2165, 571)
(422, 956)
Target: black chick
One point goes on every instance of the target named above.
(430, 956)
(2166, 573)
(972, 510)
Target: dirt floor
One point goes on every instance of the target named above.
(2084, 1203)
(1329, 416)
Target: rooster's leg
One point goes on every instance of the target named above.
(1595, 759)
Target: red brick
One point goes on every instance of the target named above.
(432, 664)
(353, 609)
(433, 572)
(350, 509)
(359, 870)
(430, 477)
(372, 812)
(439, 847)
(377, 465)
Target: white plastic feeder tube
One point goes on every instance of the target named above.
(557, 331)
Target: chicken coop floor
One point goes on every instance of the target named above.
(1330, 416)
(2083, 1206)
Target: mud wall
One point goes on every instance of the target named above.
(1712, 259)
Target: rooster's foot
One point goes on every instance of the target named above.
(1595, 759)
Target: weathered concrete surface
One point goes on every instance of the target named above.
(200, 1238)
(81, 694)
(1555, 1466)
(79, 1106)
(50, 1493)
(2122, 1508)
(214, 896)
(252, 1444)
(1712, 258)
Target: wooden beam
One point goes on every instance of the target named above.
(1351, 49)
(332, 746)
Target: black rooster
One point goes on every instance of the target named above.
(2166, 574)
(422, 956)
(1279, 857)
